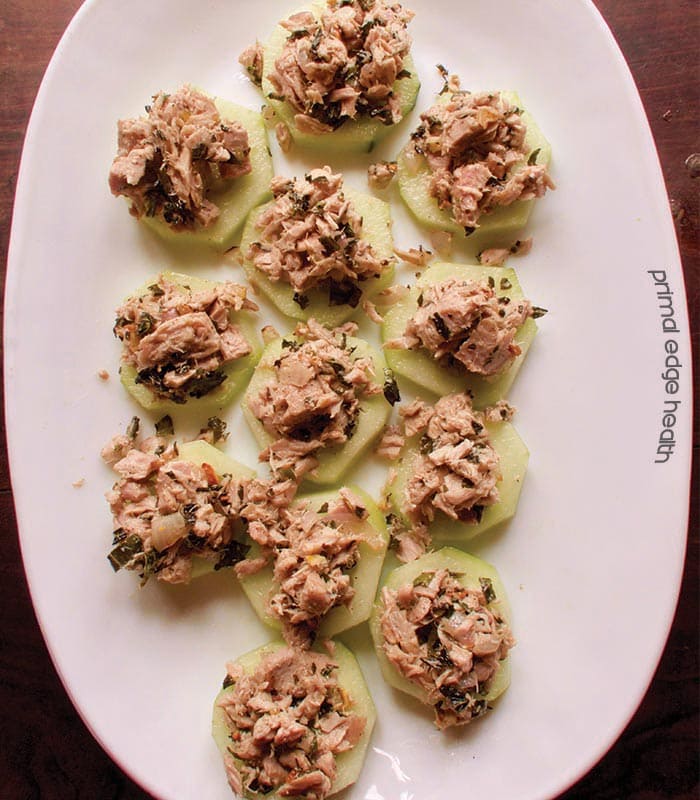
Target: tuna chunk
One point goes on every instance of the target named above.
(178, 340)
(445, 638)
(310, 238)
(467, 325)
(288, 720)
(341, 65)
(313, 400)
(167, 161)
(474, 146)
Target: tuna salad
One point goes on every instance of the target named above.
(456, 472)
(168, 510)
(168, 160)
(465, 324)
(444, 638)
(312, 555)
(474, 147)
(342, 65)
(313, 399)
(310, 237)
(178, 341)
(288, 721)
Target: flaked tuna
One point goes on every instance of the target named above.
(443, 637)
(179, 340)
(342, 65)
(313, 399)
(288, 721)
(312, 554)
(474, 146)
(168, 160)
(464, 323)
(310, 237)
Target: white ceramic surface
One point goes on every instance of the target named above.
(592, 560)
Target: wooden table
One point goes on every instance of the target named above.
(46, 752)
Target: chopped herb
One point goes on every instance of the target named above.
(301, 300)
(391, 388)
(228, 681)
(231, 554)
(538, 312)
(492, 282)
(205, 381)
(342, 293)
(487, 588)
(217, 427)
(533, 157)
(440, 326)
(125, 552)
(132, 429)
(156, 290)
(505, 284)
(145, 324)
(164, 426)
(323, 509)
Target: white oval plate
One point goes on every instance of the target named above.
(592, 560)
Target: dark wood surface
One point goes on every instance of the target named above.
(45, 750)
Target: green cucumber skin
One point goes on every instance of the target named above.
(235, 202)
(376, 229)
(238, 372)
(470, 569)
(419, 367)
(514, 457)
(349, 764)
(353, 136)
(364, 577)
(501, 226)
(336, 461)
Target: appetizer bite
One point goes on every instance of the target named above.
(461, 328)
(293, 723)
(458, 474)
(441, 632)
(186, 340)
(318, 249)
(175, 507)
(314, 571)
(314, 404)
(476, 161)
(193, 167)
(338, 75)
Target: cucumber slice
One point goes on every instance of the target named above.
(513, 455)
(364, 577)
(334, 462)
(376, 229)
(422, 369)
(237, 197)
(468, 569)
(349, 764)
(353, 136)
(237, 372)
(498, 227)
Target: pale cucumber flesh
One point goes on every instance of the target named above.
(334, 462)
(376, 229)
(349, 764)
(422, 369)
(364, 577)
(468, 570)
(237, 372)
(236, 200)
